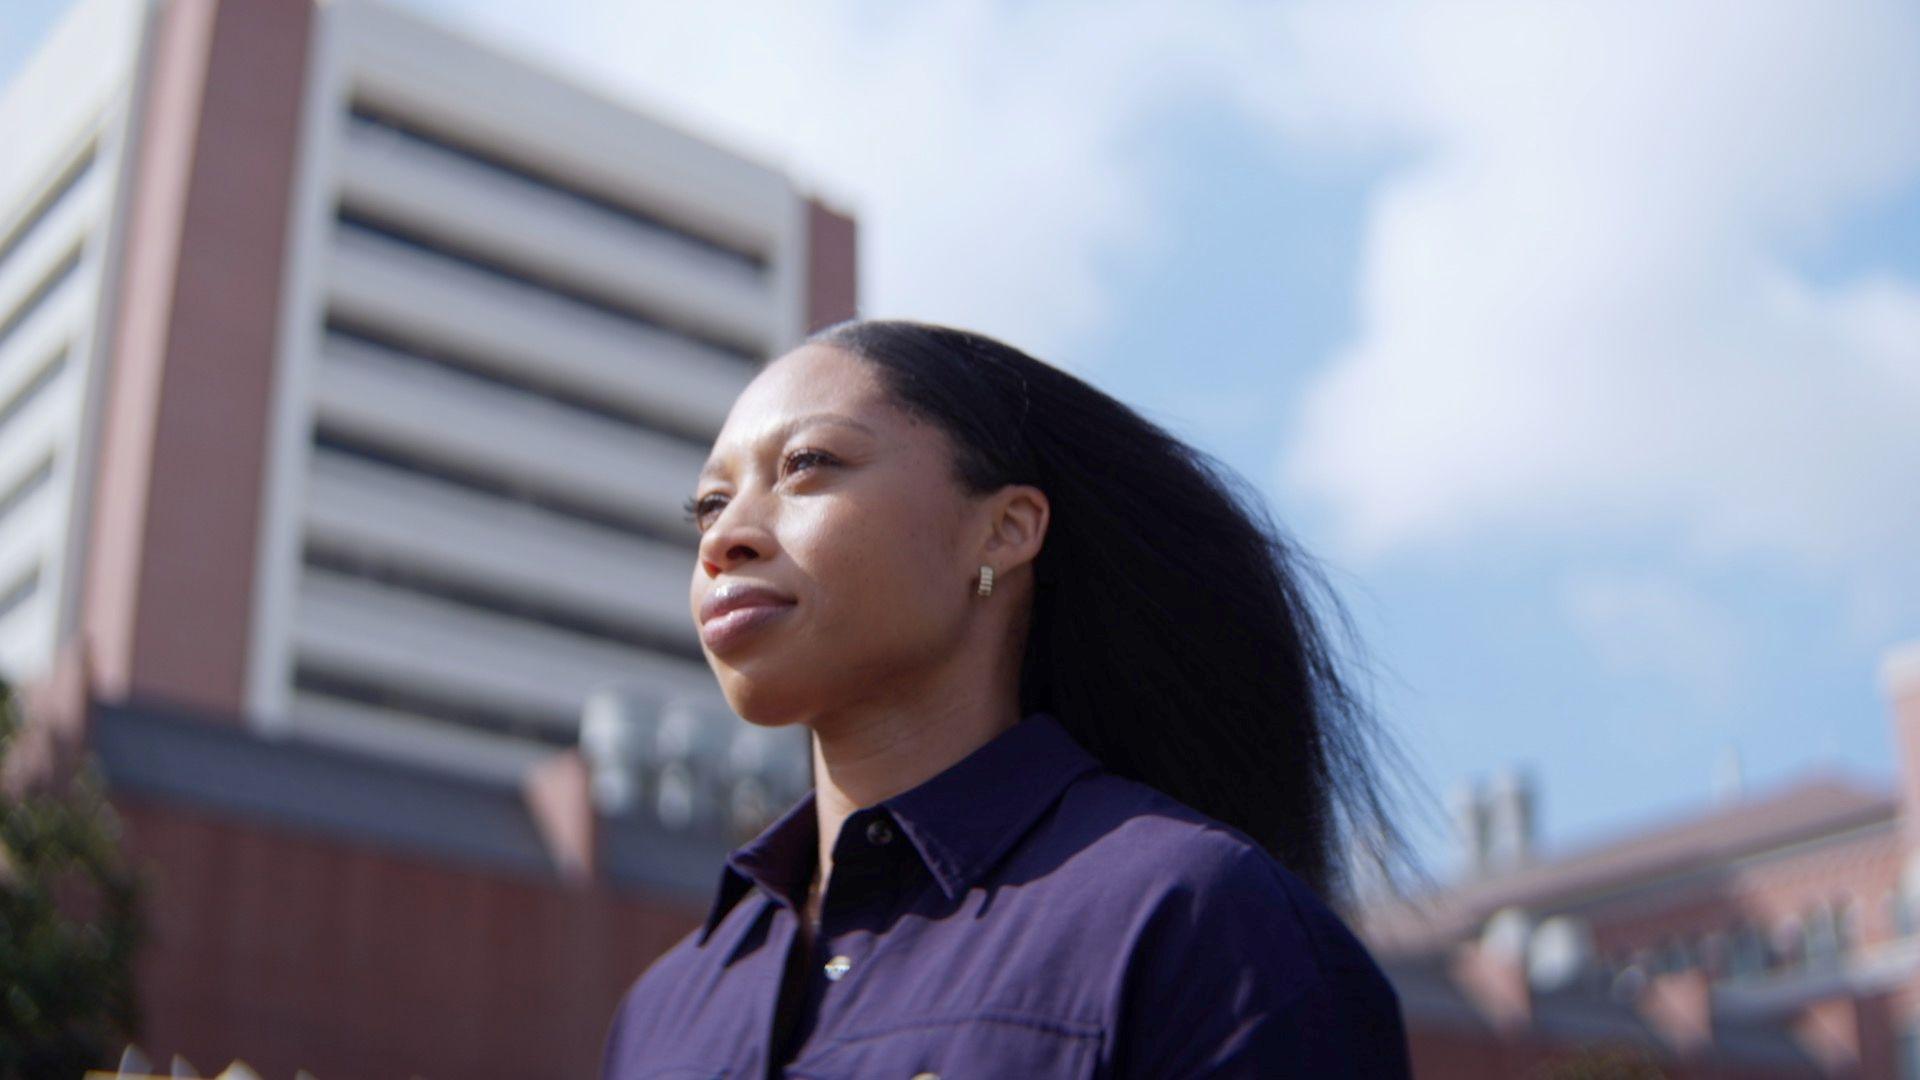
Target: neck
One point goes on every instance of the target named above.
(892, 741)
(863, 756)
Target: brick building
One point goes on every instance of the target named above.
(1773, 934)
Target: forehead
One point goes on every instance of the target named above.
(811, 378)
(814, 383)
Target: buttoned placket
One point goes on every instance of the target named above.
(865, 873)
(868, 861)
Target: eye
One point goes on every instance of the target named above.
(698, 509)
(804, 455)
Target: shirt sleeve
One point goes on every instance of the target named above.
(614, 1050)
(1239, 972)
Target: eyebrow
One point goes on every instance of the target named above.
(782, 431)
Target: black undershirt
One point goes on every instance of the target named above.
(793, 993)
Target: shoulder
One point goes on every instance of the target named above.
(1138, 834)
(647, 1005)
(1231, 964)
(1191, 882)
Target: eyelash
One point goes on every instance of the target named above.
(696, 506)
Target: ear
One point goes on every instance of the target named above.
(1017, 518)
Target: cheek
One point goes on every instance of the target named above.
(879, 570)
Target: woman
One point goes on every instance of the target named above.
(1082, 761)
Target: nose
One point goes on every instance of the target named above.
(733, 538)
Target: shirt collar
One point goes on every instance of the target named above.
(960, 821)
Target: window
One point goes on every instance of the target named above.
(1711, 951)
(1672, 955)
(1820, 936)
(1747, 954)
(1907, 1055)
(1847, 922)
(1789, 941)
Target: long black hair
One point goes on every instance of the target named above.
(1172, 631)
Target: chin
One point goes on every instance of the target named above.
(762, 699)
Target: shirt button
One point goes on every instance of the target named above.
(879, 832)
(837, 967)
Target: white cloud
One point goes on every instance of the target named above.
(1575, 311)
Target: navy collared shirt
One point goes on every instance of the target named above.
(1025, 913)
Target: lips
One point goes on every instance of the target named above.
(734, 595)
(735, 609)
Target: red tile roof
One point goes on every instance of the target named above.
(1816, 806)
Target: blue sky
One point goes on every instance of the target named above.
(21, 27)
(1581, 346)
(1484, 666)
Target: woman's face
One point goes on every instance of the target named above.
(822, 490)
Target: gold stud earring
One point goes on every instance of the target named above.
(986, 580)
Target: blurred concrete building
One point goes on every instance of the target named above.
(352, 376)
(1772, 934)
